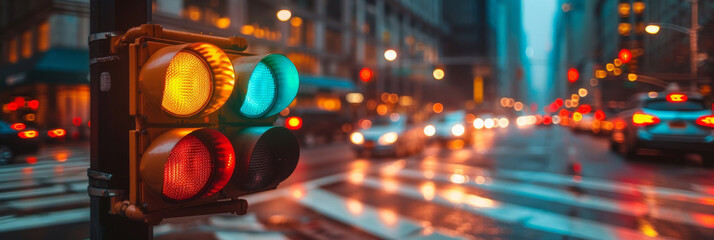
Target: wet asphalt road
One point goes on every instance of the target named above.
(531, 183)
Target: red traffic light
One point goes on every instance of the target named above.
(293, 123)
(365, 74)
(625, 55)
(573, 75)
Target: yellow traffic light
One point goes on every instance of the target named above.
(188, 79)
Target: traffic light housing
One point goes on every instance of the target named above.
(203, 112)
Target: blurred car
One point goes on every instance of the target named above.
(450, 126)
(388, 135)
(16, 139)
(315, 124)
(671, 122)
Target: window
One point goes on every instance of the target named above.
(43, 36)
(12, 50)
(333, 40)
(27, 44)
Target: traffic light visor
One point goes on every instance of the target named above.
(266, 84)
(265, 156)
(184, 164)
(189, 79)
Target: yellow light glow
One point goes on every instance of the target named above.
(624, 29)
(247, 29)
(617, 71)
(610, 67)
(284, 15)
(582, 92)
(503, 122)
(632, 77)
(574, 97)
(296, 21)
(638, 7)
(577, 116)
(382, 109)
(357, 138)
(624, 9)
(600, 74)
(223, 23)
(390, 55)
(354, 98)
(652, 29)
(188, 85)
(405, 101)
(438, 74)
(355, 207)
(457, 178)
(652, 94)
(518, 106)
(437, 108)
(428, 189)
(617, 62)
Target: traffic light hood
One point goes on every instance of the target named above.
(266, 85)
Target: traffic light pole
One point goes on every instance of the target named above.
(110, 125)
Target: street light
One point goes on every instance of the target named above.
(438, 74)
(652, 29)
(284, 15)
(390, 55)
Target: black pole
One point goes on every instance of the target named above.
(110, 121)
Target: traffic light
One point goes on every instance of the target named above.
(625, 55)
(365, 74)
(204, 111)
(573, 75)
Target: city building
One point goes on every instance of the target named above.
(44, 57)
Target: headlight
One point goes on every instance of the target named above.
(457, 130)
(357, 138)
(503, 122)
(388, 138)
(478, 123)
(489, 123)
(429, 130)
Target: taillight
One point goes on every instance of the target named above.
(18, 126)
(27, 134)
(707, 121)
(676, 97)
(642, 119)
(56, 133)
(293, 123)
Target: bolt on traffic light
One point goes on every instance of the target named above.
(204, 113)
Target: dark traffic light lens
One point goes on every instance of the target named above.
(266, 156)
(263, 166)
